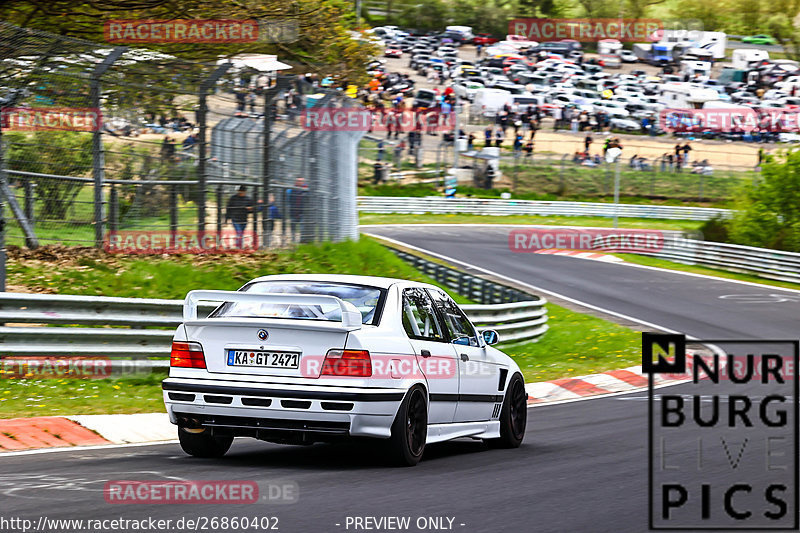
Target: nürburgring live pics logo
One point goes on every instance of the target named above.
(723, 446)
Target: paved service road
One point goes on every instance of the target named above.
(582, 468)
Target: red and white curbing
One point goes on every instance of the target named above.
(581, 255)
(614, 381)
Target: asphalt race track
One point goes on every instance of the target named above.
(692, 305)
(582, 468)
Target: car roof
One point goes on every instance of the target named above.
(373, 281)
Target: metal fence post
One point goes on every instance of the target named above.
(98, 155)
(269, 98)
(5, 191)
(173, 211)
(2, 248)
(30, 197)
(113, 210)
(202, 111)
(220, 215)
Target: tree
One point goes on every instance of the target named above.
(322, 41)
(51, 152)
(767, 214)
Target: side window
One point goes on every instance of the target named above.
(419, 318)
(456, 322)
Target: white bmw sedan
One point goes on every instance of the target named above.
(298, 359)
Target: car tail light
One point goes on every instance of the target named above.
(187, 355)
(350, 363)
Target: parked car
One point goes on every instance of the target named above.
(425, 98)
(393, 52)
(484, 39)
(627, 56)
(298, 359)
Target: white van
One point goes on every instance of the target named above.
(685, 96)
(742, 57)
(608, 46)
(488, 102)
(465, 31)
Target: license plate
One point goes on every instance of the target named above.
(263, 359)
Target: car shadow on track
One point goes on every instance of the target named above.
(337, 456)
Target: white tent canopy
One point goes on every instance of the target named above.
(260, 62)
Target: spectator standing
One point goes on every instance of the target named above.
(487, 135)
(587, 142)
(517, 145)
(499, 137)
(296, 198)
(686, 150)
(237, 211)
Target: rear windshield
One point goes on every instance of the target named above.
(368, 300)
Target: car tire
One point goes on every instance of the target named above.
(513, 415)
(203, 444)
(409, 429)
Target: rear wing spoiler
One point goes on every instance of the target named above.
(351, 316)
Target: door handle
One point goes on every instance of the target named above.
(464, 357)
(425, 353)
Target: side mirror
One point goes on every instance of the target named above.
(490, 337)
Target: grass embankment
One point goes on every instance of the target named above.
(576, 344)
(581, 184)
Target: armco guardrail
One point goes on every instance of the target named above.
(762, 262)
(514, 321)
(515, 315)
(495, 207)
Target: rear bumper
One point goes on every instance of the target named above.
(275, 411)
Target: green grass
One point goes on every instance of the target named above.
(695, 269)
(644, 223)
(20, 398)
(577, 344)
(99, 274)
(571, 182)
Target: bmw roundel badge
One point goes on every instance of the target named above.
(262, 334)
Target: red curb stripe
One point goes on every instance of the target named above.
(580, 387)
(39, 432)
(628, 377)
(7, 443)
